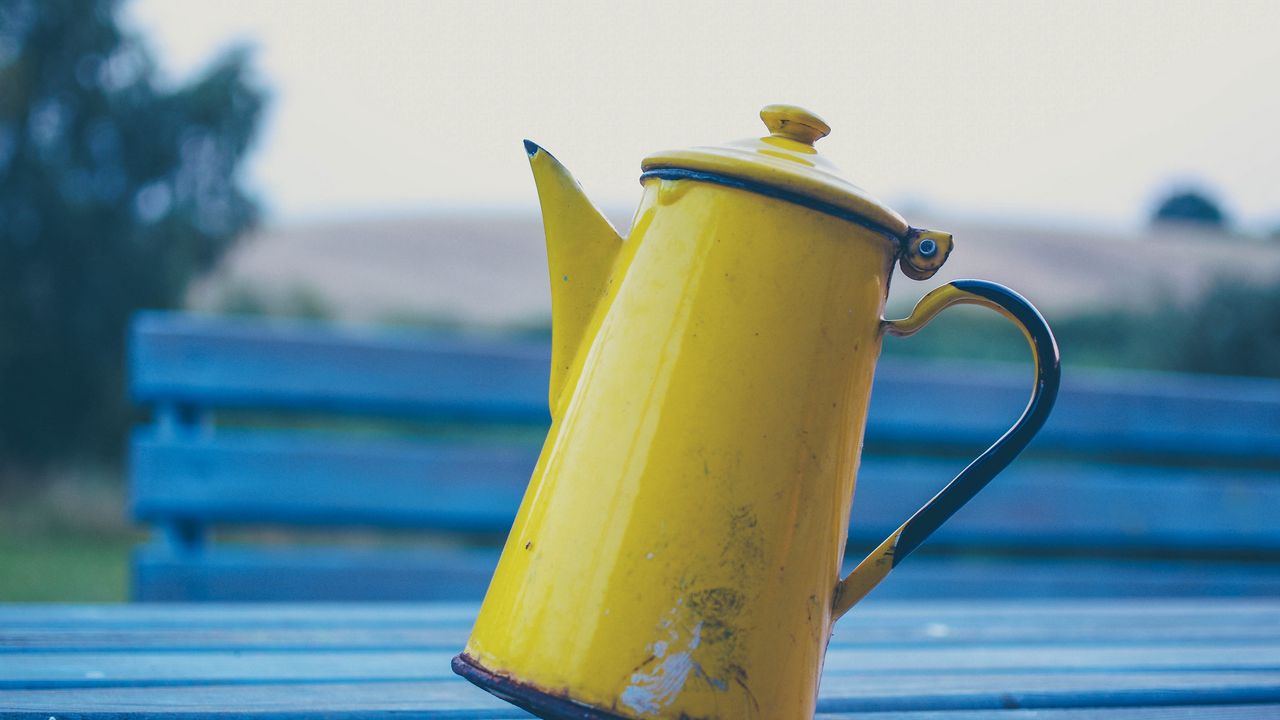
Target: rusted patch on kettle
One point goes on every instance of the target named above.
(697, 642)
(553, 705)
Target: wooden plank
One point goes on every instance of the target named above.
(1192, 712)
(1202, 614)
(923, 576)
(426, 628)
(237, 573)
(248, 574)
(221, 362)
(125, 669)
(1111, 412)
(325, 479)
(476, 485)
(1116, 658)
(1199, 712)
(430, 699)
(993, 691)
(879, 693)
(1059, 504)
(1149, 660)
(1178, 612)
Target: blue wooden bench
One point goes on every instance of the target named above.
(1141, 484)
(1210, 658)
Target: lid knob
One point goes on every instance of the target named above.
(794, 123)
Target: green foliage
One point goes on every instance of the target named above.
(65, 540)
(74, 567)
(1190, 206)
(1235, 329)
(115, 192)
(300, 301)
(1232, 329)
(963, 332)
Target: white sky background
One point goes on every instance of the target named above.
(1079, 112)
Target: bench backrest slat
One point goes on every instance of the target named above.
(1131, 464)
(239, 477)
(1156, 415)
(309, 480)
(218, 363)
(215, 363)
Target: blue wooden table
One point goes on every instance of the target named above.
(1008, 660)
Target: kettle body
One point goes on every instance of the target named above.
(677, 553)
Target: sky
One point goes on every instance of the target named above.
(1045, 112)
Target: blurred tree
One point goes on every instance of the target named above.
(1190, 206)
(1234, 329)
(115, 192)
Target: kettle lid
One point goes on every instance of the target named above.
(783, 164)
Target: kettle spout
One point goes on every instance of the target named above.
(581, 249)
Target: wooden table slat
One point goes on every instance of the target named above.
(71, 670)
(1193, 712)
(1134, 660)
(874, 611)
(862, 632)
(880, 693)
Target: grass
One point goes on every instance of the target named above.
(66, 542)
(74, 567)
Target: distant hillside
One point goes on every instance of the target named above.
(490, 269)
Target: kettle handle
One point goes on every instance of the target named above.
(926, 520)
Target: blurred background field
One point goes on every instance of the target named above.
(360, 163)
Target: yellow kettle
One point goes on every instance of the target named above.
(677, 553)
